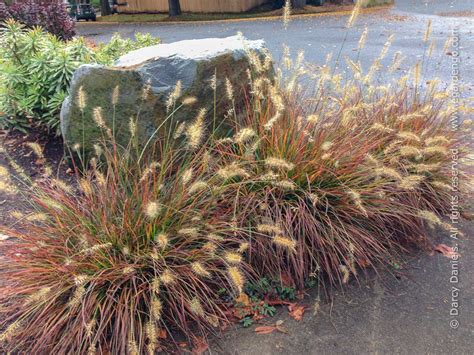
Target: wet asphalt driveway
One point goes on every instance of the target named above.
(317, 36)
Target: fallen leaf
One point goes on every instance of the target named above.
(467, 215)
(268, 329)
(241, 312)
(279, 303)
(265, 329)
(446, 250)
(300, 295)
(296, 312)
(200, 345)
(243, 299)
(162, 334)
(363, 262)
(287, 280)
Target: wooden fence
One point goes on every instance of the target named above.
(134, 6)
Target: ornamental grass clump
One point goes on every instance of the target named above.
(334, 179)
(134, 252)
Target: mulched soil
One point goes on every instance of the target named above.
(17, 150)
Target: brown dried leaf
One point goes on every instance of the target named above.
(363, 262)
(296, 312)
(287, 280)
(200, 345)
(243, 299)
(446, 250)
(265, 329)
(162, 334)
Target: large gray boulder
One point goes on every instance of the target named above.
(191, 62)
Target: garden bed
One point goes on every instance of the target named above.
(202, 227)
(17, 149)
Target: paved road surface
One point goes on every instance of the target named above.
(380, 315)
(318, 36)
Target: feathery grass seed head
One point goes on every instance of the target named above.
(232, 170)
(190, 100)
(236, 277)
(187, 176)
(196, 307)
(313, 119)
(244, 135)
(285, 242)
(195, 131)
(115, 95)
(435, 150)
(286, 13)
(167, 277)
(345, 273)
(77, 296)
(432, 219)
(229, 89)
(156, 308)
(39, 296)
(363, 38)
(198, 186)
(10, 331)
(279, 163)
(388, 173)
(409, 136)
(189, 232)
(162, 240)
(85, 187)
(408, 151)
(437, 140)
(427, 34)
(381, 128)
(199, 269)
(285, 184)
(442, 185)
(81, 99)
(243, 247)
(326, 145)
(152, 209)
(233, 258)
(410, 182)
(98, 117)
(269, 229)
(210, 247)
(36, 148)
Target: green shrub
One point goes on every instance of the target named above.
(36, 69)
(50, 15)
